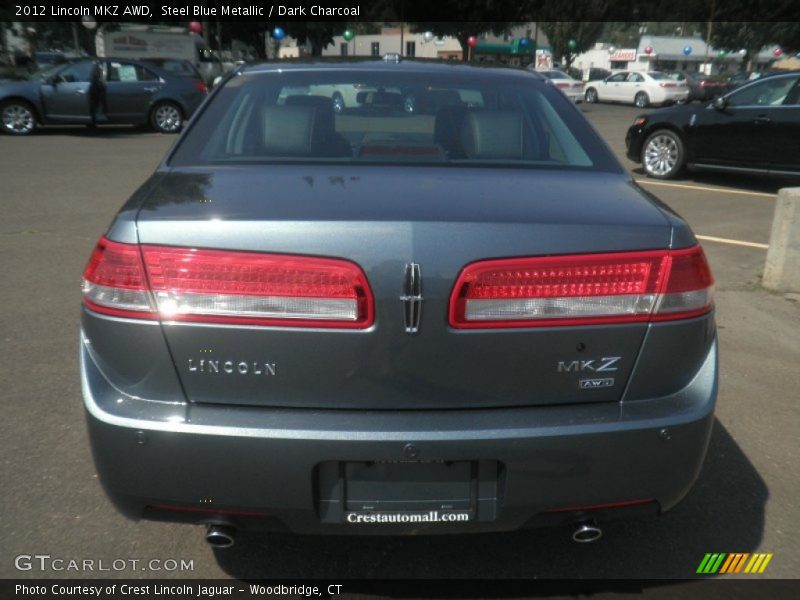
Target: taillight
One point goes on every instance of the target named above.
(201, 87)
(219, 286)
(668, 85)
(114, 282)
(587, 289)
(562, 85)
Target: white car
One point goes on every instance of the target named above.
(572, 88)
(639, 88)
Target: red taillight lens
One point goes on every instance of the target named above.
(114, 281)
(581, 290)
(668, 85)
(201, 87)
(217, 286)
(562, 85)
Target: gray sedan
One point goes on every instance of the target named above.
(99, 91)
(467, 319)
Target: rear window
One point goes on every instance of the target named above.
(364, 117)
(659, 76)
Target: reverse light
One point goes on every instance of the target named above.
(220, 286)
(621, 287)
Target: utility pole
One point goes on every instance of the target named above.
(709, 29)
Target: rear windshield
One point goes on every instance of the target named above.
(659, 76)
(555, 75)
(435, 118)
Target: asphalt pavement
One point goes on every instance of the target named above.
(59, 190)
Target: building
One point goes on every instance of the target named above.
(522, 45)
(667, 53)
(394, 40)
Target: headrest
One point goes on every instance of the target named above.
(379, 98)
(492, 135)
(287, 130)
(321, 102)
(324, 119)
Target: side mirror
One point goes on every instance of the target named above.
(217, 81)
(720, 103)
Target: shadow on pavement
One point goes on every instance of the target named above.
(724, 512)
(101, 131)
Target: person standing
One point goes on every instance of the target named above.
(97, 94)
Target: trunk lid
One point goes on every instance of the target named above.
(383, 219)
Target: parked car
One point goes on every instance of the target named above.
(392, 322)
(639, 88)
(701, 87)
(136, 93)
(571, 88)
(753, 129)
(181, 68)
(596, 73)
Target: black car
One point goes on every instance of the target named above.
(135, 93)
(701, 87)
(753, 129)
(596, 74)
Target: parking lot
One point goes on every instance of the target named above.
(61, 187)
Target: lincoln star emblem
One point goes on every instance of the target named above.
(412, 298)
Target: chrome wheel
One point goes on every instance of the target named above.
(167, 118)
(18, 119)
(409, 104)
(661, 155)
(338, 103)
(591, 96)
(641, 100)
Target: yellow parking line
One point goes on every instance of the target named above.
(706, 189)
(711, 238)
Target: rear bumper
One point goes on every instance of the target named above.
(258, 468)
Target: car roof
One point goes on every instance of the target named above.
(433, 66)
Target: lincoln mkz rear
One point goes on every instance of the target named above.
(461, 318)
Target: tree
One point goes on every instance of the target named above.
(568, 39)
(318, 34)
(478, 15)
(752, 36)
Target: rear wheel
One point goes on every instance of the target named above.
(663, 155)
(17, 117)
(642, 100)
(166, 117)
(591, 96)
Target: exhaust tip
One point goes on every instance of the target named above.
(586, 532)
(220, 536)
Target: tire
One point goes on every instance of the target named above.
(591, 96)
(641, 100)
(338, 103)
(663, 155)
(166, 117)
(17, 117)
